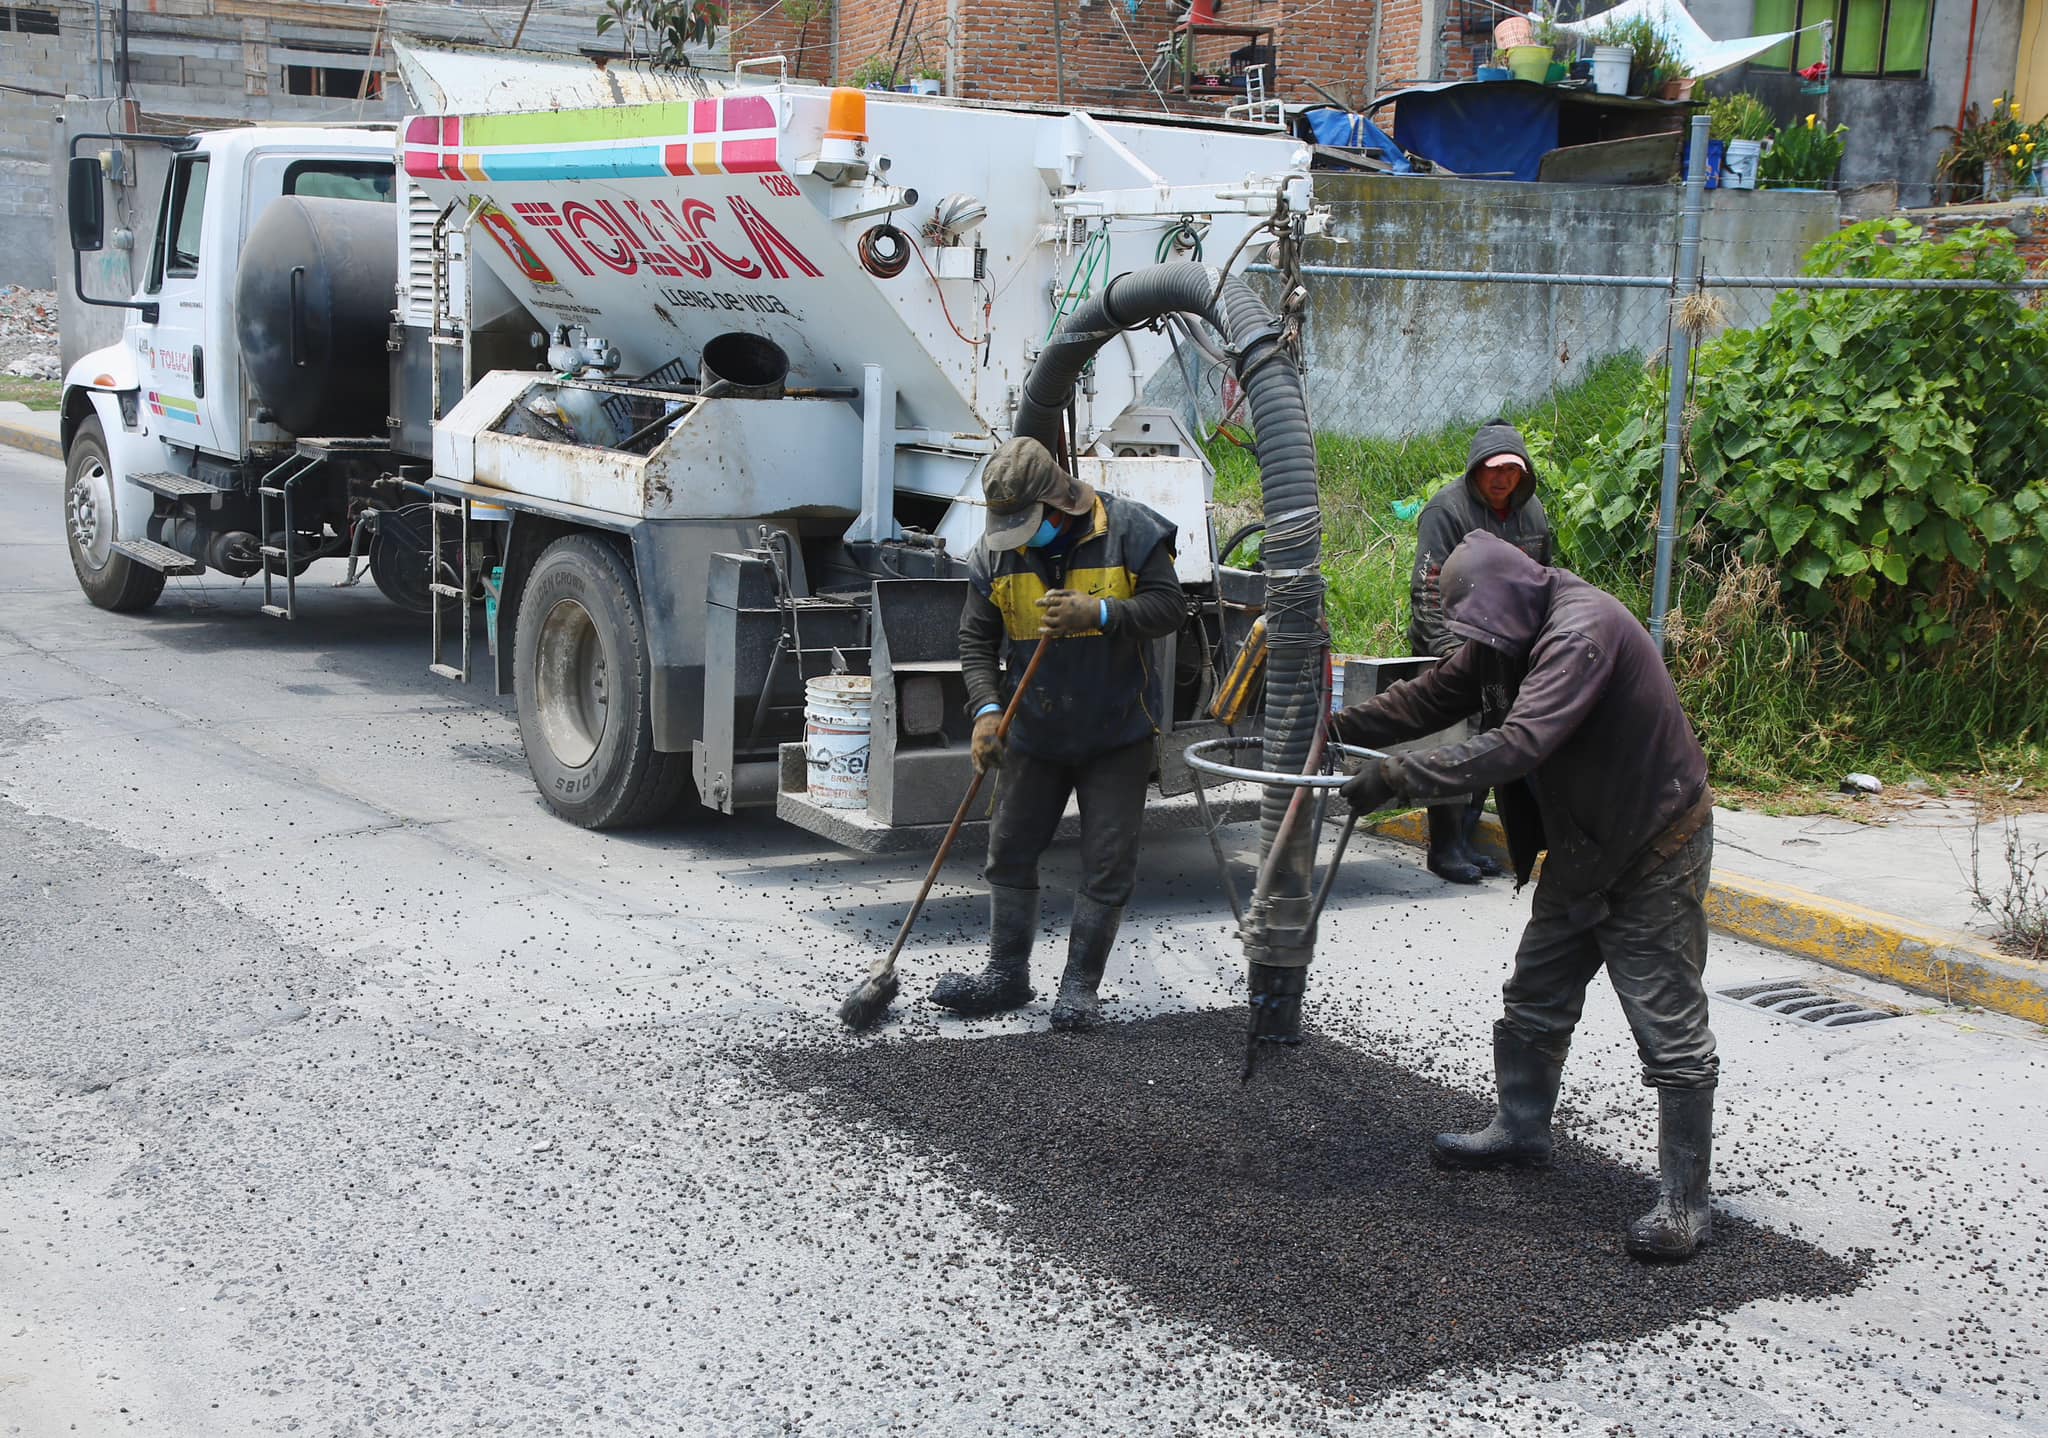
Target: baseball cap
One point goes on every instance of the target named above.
(1018, 482)
(1506, 456)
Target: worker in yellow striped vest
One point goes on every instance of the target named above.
(1095, 573)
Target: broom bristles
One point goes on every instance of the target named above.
(869, 1000)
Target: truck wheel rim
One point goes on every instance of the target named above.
(89, 514)
(571, 694)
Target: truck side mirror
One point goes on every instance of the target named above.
(87, 212)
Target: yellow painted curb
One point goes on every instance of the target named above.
(1946, 964)
(1949, 965)
(30, 440)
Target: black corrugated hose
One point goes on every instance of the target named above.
(1279, 943)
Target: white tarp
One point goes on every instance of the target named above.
(1698, 52)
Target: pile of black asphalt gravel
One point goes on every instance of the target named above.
(1300, 1214)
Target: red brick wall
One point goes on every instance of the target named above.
(1006, 49)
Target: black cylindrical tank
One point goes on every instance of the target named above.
(313, 299)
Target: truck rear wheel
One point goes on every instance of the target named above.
(582, 673)
(112, 581)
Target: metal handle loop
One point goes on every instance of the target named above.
(1197, 757)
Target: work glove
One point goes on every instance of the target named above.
(1368, 792)
(1065, 613)
(988, 743)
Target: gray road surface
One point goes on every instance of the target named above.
(344, 1091)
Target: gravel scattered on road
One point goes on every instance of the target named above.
(1298, 1214)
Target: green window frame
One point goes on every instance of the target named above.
(1871, 37)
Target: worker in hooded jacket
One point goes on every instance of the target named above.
(1497, 495)
(1095, 573)
(1596, 766)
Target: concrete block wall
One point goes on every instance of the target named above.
(186, 65)
(54, 65)
(1394, 358)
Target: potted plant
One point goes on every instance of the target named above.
(1804, 156)
(928, 80)
(1498, 70)
(1652, 61)
(1989, 158)
(874, 73)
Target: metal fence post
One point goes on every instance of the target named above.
(1688, 275)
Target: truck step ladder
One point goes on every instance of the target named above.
(276, 490)
(160, 557)
(166, 485)
(439, 588)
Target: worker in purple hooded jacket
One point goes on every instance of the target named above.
(1595, 765)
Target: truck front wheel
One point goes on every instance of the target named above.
(582, 673)
(112, 581)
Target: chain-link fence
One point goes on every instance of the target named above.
(1861, 415)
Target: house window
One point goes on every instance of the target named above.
(331, 81)
(1882, 37)
(26, 21)
(1872, 37)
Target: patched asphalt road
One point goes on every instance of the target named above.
(344, 1091)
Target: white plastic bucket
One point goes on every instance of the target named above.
(1610, 68)
(836, 739)
(1738, 164)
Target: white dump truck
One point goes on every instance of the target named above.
(677, 385)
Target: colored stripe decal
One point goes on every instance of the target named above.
(172, 407)
(625, 163)
(570, 127)
(748, 157)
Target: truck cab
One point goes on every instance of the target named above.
(171, 401)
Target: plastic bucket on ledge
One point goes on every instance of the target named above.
(836, 710)
(1610, 68)
(1738, 164)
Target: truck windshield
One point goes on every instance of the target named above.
(340, 179)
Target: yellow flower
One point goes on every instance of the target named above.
(2012, 149)
(1810, 119)
(1999, 101)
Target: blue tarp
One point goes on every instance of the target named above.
(1502, 129)
(1345, 131)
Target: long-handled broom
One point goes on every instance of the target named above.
(873, 995)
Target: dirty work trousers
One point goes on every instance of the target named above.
(1031, 797)
(1651, 933)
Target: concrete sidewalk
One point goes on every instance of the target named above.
(34, 430)
(1890, 898)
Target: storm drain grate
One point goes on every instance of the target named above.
(1809, 1005)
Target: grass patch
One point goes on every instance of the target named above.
(1781, 702)
(35, 393)
(1784, 705)
(1368, 550)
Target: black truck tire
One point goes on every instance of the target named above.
(112, 581)
(582, 672)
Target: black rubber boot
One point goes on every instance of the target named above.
(1006, 982)
(1447, 857)
(1089, 941)
(1468, 839)
(1519, 1136)
(1682, 1222)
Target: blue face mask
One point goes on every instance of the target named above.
(1047, 533)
